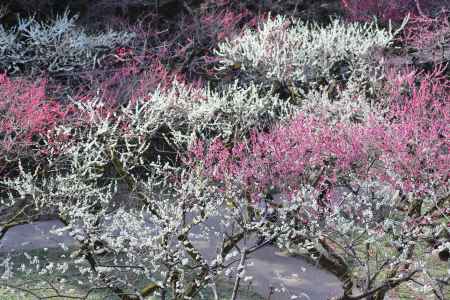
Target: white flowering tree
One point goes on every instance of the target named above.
(135, 220)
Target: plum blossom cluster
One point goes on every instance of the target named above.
(191, 112)
(28, 119)
(291, 51)
(408, 147)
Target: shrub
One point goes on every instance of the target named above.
(56, 46)
(292, 51)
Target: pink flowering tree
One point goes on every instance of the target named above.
(27, 121)
(366, 175)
